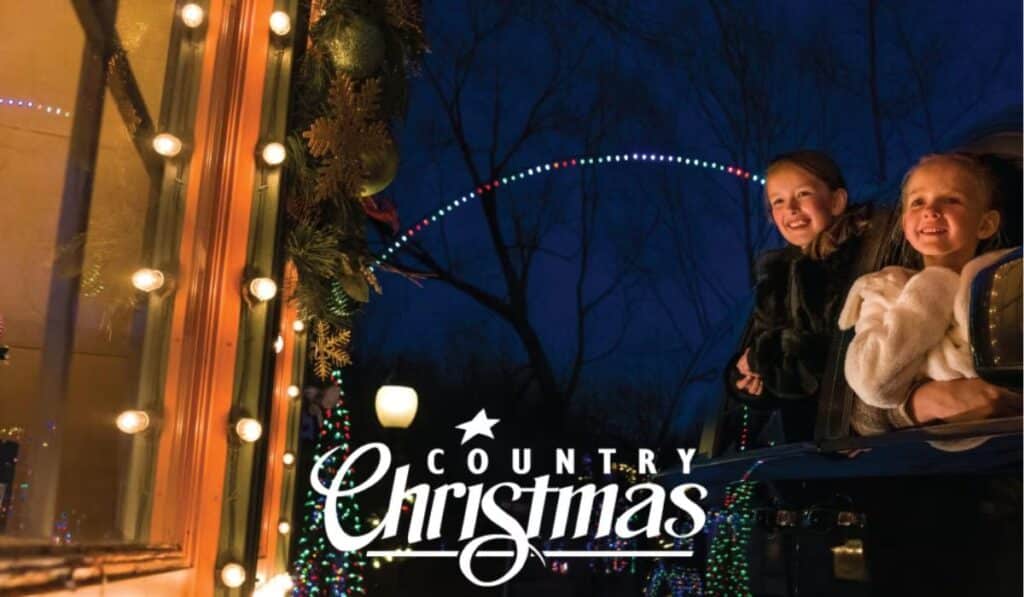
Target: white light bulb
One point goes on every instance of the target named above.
(294, 391)
(299, 326)
(279, 345)
(167, 145)
(273, 154)
(248, 429)
(263, 289)
(132, 421)
(288, 459)
(280, 23)
(232, 575)
(192, 15)
(396, 406)
(284, 527)
(147, 280)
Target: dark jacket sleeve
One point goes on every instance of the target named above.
(769, 316)
(798, 301)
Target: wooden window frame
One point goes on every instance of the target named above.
(199, 381)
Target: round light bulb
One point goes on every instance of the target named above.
(232, 575)
(192, 15)
(284, 527)
(167, 145)
(279, 345)
(263, 289)
(288, 459)
(294, 391)
(396, 406)
(274, 153)
(132, 421)
(280, 584)
(280, 23)
(248, 429)
(299, 326)
(147, 280)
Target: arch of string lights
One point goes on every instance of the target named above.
(27, 104)
(425, 222)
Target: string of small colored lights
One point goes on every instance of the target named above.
(744, 428)
(26, 104)
(319, 568)
(625, 476)
(556, 166)
(677, 580)
(728, 570)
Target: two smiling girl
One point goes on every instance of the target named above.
(910, 326)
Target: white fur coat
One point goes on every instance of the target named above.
(909, 325)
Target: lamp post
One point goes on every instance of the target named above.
(396, 406)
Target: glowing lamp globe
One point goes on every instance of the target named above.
(396, 406)
(284, 527)
(293, 391)
(288, 459)
(248, 429)
(299, 326)
(147, 280)
(132, 421)
(192, 15)
(273, 154)
(280, 23)
(263, 289)
(232, 575)
(167, 145)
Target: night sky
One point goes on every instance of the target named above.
(668, 247)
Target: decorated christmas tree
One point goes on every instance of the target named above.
(319, 568)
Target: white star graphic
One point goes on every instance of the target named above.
(478, 425)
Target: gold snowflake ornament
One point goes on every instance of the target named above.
(330, 349)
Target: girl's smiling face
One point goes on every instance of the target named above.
(946, 213)
(801, 204)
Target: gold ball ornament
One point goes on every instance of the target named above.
(358, 49)
(379, 169)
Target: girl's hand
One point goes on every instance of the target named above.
(751, 382)
(962, 400)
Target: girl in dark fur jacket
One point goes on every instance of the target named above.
(799, 290)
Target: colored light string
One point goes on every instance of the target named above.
(728, 564)
(319, 568)
(13, 102)
(421, 224)
(673, 580)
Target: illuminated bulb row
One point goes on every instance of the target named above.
(563, 165)
(137, 421)
(192, 15)
(168, 145)
(32, 105)
(262, 289)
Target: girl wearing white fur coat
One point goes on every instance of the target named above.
(909, 325)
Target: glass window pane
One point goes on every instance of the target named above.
(68, 475)
(144, 27)
(38, 84)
